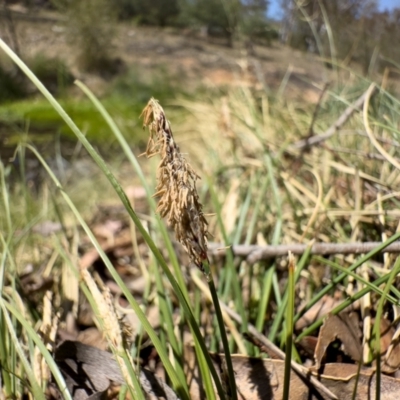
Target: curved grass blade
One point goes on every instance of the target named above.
(289, 327)
(343, 305)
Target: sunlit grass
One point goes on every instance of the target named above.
(261, 190)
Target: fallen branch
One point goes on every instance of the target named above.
(313, 140)
(254, 253)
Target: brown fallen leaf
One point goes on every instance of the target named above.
(92, 337)
(318, 310)
(390, 347)
(89, 372)
(308, 344)
(259, 379)
(124, 239)
(344, 327)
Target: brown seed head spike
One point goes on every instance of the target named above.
(176, 186)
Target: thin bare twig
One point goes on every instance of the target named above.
(316, 111)
(254, 253)
(313, 140)
(370, 156)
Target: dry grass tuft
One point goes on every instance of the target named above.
(113, 327)
(176, 186)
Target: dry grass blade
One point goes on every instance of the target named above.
(313, 140)
(368, 129)
(114, 329)
(176, 186)
(48, 329)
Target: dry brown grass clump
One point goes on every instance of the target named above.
(176, 186)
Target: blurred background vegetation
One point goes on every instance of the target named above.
(343, 31)
(241, 91)
(359, 30)
(123, 50)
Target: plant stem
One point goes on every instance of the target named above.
(377, 326)
(289, 327)
(218, 313)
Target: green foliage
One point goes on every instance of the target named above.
(126, 97)
(125, 9)
(156, 12)
(351, 30)
(12, 85)
(89, 22)
(214, 14)
(232, 18)
(90, 28)
(135, 87)
(254, 22)
(43, 119)
(53, 72)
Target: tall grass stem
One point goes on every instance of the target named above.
(289, 327)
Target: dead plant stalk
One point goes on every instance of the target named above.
(176, 186)
(179, 203)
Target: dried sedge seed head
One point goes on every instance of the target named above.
(176, 186)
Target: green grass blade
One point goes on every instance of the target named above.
(126, 203)
(202, 358)
(343, 305)
(6, 203)
(357, 277)
(377, 325)
(180, 387)
(256, 210)
(222, 331)
(342, 276)
(284, 305)
(266, 289)
(289, 327)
